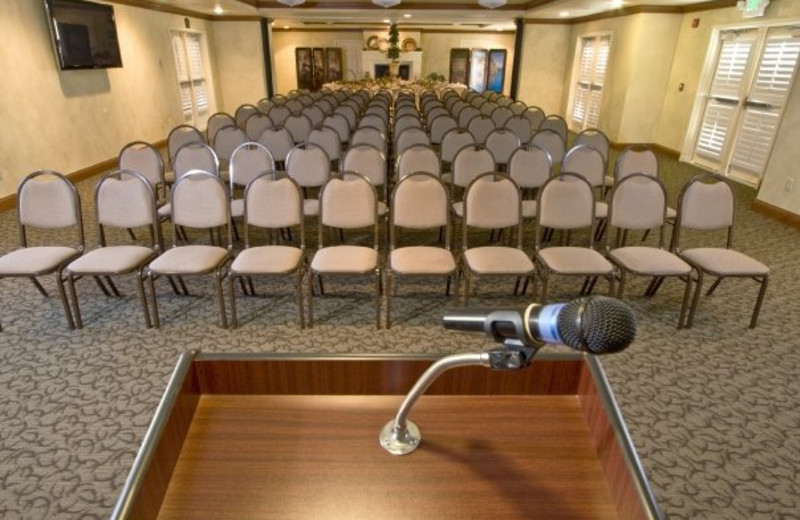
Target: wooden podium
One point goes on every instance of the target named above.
(269, 436)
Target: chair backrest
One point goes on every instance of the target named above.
(487, 107)
(48, 200)
(278, 141)
(309, 165)
(143, 158)
(226, 140)
(315, 114)
(466, 114)
(551, 142)
(409, 110)
(299, 125)
(638, 202)
(349, 113)
(521, 126)
(470, 162)
(217, 121)
(706, 203)
(348, 201)
(195, 156)
(594, 138)
(264, 104)
(418, 158)
(200, 200)
(242, 113)
(375, 121)
(420, 201)
(453, 141)
(440, 125)
(530, 167)
(367, 161)
(279, 113)
(249, 161)
(492, 201)
(410, 137)
(273, 204)
(586, 162)
(480, 126)
(433, 113)
(566, 201)
(500, 115)
(502, 143)
(125, 199)
(404, 122)
(339, 123)
(256, 124)
(328, 139)
(636, 158)
(555, 123)
(370, 135)
(535, 115)
(518, 107)
(179, 136)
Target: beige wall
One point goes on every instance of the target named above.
(240, 64)
(69, 120)
(285, 42)
(543, 66)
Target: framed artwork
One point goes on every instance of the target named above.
(477, 69)
(497, 70)
(318, 57)
(333, 64)
(305, 68)
(459, 66)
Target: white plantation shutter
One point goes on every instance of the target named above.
(764, 104)
(591, 71)
(717, 120)
(187, 48)
(733, 58)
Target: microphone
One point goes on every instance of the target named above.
(594, 324)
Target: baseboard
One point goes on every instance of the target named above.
(9, 202)
(776, 213)
(669, 152)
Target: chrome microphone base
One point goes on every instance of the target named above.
(400, 441)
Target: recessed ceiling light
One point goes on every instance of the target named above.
(386, 20)
(616, 3)
(218, 9)
(285, 26)
(386, 3)
(491, 4)
(563, 14)
(291, 3)
(407, 15)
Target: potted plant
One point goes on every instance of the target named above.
(393, 52)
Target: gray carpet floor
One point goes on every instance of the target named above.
(713, 411)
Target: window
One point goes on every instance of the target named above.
(187, 49)
(753, 72)
(589, 71)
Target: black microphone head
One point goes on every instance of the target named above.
(597, 324)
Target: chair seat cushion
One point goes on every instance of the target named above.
(383, 209)
(267, 260)
(165, 211)
(422, 260)
(600, 210)
(671, 213)
(447, 178)
(608, 180)
(189, 260)
(498, 260)
(237, 208)
(35, 260)
(458, 209)
(345, 259)
(111, 259)
(575, 260)
(169, 176)
(528, 209)
(311, 207)
(724, 262)
(650, 260)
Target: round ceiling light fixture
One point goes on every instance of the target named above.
(291, 3)
(491, 4)
(386, 3)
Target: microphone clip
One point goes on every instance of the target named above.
(515, 356)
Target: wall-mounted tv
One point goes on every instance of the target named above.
(84, 34)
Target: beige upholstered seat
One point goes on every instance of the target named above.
(493, 202)
(200, 200)
(706, 203)
(278, 114)
(410, 137)
(500, 115)
(347, 201)
(530, 168)
(123, 199)
(46, 200)
(566, 203)
(372, 136)
(271, 204)
(638, 202)
(419, 201)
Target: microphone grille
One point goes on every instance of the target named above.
(597, 324)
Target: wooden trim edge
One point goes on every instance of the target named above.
(776, 213)
(669, 152)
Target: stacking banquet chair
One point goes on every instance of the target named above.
(200, 200)
(502, 143)
(493, 201)
(179, 137)
(589, 164)
(530, 168)
(480, 126)
(566, 203)
(419, 201)
(256, 124)
(310, 167)
(217, 121)
(279, 142)
(226, 140)
(271, 204)
(370, 162)
(375, 121)
(469, 163)
(597, 140)
(638, 158)
(453, 141)
(299, 126)
(706, 203)
(339, 123)
(418, 158)
(410, 137)
(501, 115)
(535, 115)
(370, 135)
(347, 201)
(278, 114)
(555, 123)
(242, 113)
(521, 126)
(440, 126)
(328, 140)
(552, 143)
(144, 159)
(248, 161)
(46, 200)
(191, 157)
(123, 199)
(639, 202)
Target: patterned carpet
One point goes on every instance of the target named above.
(713, 411)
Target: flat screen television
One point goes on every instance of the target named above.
(84, 34)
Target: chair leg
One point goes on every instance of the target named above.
(378, 291)
(74, 298)
(695, 300)
(467, 285)
(232, 289)
(183, 286)
(714, 286)
(300, 298)
(389, 298)
(685, 304)
(244, 287)
(545, 288)
(310, 299)
(221, 298)
(251, 286)
(113, 287)
(39, 287)
(63, 295)
(759, 301)
(174, 287)
(152, 283)
(102, 286)
(131, 234)
(621, 288)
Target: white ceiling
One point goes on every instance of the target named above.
(467, 15)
